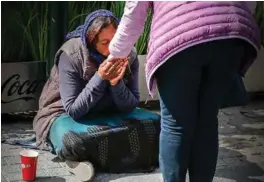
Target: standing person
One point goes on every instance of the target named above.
(196, 51)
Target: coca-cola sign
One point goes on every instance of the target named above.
(24, 90)
(21, 85)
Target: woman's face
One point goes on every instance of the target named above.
(104, 38)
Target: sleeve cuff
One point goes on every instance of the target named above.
(98, 81)
(118, 87)
(110, 56)
(115, 56)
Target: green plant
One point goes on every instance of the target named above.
(117, 7)
(33, 20)
(142, 42)
(13, 43)
(10, 50)
(78, 11)
(259, 16)
(42, 22)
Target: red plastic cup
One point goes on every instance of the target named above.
(29, 159)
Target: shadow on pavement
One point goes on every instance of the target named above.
(154, 176)
(50, 179)
(238, 168)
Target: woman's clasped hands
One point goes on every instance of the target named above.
(113, 69)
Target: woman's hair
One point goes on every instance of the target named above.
(96, 27)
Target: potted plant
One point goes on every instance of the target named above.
(23, 55)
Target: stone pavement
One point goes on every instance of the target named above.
(241, 155)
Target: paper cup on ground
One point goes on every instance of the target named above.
(29, 160)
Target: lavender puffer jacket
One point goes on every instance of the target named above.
(179, 25)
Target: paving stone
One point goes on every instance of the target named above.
(217, 179)
(14, 176)
(48, 164)
(13, 159)
(241, 175)
(11, 168)
(6, 150)
(18, 175)
(63, 164)
(220, 164)
(58, 172)
(234, 162)
(70, 179)
(47, 156)
(42, 173)
(225, 153)
(3, 162)
(227, 130)
(3, 178)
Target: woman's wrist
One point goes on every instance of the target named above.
(113, 83)
(98, 73)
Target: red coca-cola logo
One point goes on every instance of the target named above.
(15, 89)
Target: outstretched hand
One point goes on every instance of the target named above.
(120, 72)
(113, 70)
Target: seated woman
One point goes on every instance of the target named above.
(87, 109)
